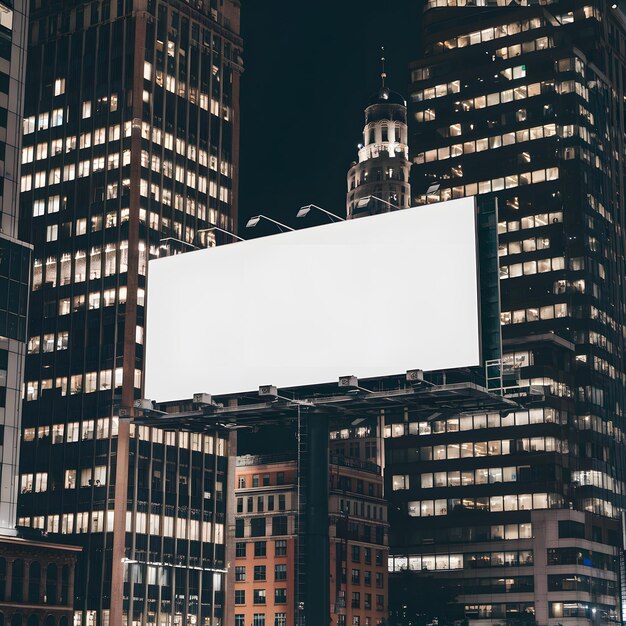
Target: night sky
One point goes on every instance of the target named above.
(310, 67)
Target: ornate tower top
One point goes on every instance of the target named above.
(379, 181)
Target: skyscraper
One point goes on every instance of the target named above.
(130, 146)
(525, 103)
(14, 254)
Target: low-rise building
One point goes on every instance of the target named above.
(36, 582)
(266, 563)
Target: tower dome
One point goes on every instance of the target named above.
(386, 96)
(379, 181)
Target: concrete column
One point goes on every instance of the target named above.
(317, 599)
(42, 582)
(9, 580)
(70, 587)
(541, 536)
(25, 580)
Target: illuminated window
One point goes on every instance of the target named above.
(57, 118)
(59, 86)
(28, 154)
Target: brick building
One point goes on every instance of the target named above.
(266, 563)
(36, 582)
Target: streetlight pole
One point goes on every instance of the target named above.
(303, 211)
(221, 230)
(185, 243)
(253, 221)
(393, 206)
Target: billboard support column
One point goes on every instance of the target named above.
(316, 557)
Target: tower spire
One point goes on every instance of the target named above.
(383, 149)
(383, 74)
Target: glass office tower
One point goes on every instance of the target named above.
(14, 254)
(524, 102)
(130, 149)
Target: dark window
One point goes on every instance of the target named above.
(280, 548)
(240, 596)
(5, 48)
(260, 548)
(51, 583)
(280, 478)
(240, 573)
(380, 534)
(240, 549)
(279, 525)
(570, 529)
(17, 580)
(379, 557)
(281, 503)
(280, 596)
(34, 580)
(259, 596)
(596, 533)
(266, 480)
(260, 572)
(239, 528)
(3, 576)
(280, 572)
(257, 527)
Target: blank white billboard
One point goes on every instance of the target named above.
(369, 297)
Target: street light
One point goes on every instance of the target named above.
(163, 245)
(253, 221)
(363, 202)
(303, 211)
(221, 230)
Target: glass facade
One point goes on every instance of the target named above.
(129, 149)
(15, 255)
(525, 104)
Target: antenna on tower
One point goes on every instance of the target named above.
(383, 75)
